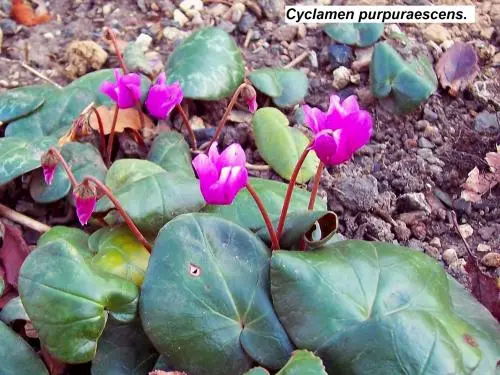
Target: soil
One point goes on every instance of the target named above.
(399, 188)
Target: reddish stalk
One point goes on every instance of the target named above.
(110, 35)
(228, 111)
(185, 120)
(102, 136)
(65, 165)
(272, 234)
(133, 228)
(111, 137)
(314, 191)
(291, 185)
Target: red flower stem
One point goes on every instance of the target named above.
(133, 228)
(291, 185)
(102, 136)
(314, 191)
(226, 114)
(185, 120)
(65, 165)
(111, 137)
(110, 35)
(274, 239)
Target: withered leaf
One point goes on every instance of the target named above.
(127, 119)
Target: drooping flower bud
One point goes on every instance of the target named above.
(249, 95)
(85, 196)
(126, 91)
(49, 163)
(163, 98)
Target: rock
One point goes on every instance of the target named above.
(436, 242)
(487, 232)
(358, 193)
(430, 115)
(173, 33)
(450, 256)
(432, 134)
(355, 79)
(486, 122)
(180, 18)
(144, 41)
(227, 26)
(483, 248)
(236, 12)
(286, 33)
(496, 60)
(301, 31)
(409, 218)
(457, 268)
(340, 55)
(419, 230)
(437, 33)
(425, 143)
(253, 7)
(365, 96)
(341, 78)
(363, 59)
(413, 202)
(416, 245)
(433, 252)
(272, 8)
(6, 6)
(447, 44)
(217, 10)
(402, 232)
(106, 9)
(8, 26)
(83, 56)
(465, 230)
(379, 229)
(191, 7)
(313, 59)
(246, 23)
(491, 260)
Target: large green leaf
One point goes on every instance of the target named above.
(302, 362)
(287, 87)
(171, 152)
(83, 159)
(62, 106)
(243, 211)
(205, 299)
(119, 253)
(16, 356)
(208, 65)
(281, 145)
(12, 311)
(124, 349)
(76, 237)
(19, 156)
(359, 34)
(68, 302)
(149, 194)
(22, 101)
(367, 307)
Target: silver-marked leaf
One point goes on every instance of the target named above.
(22, 101)
(218, 274)
(359, 34)
(171, 152)
(208, 64)
(266, 81)
(294, 86)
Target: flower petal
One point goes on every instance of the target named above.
(314, 118)
(48, 173)
(205, 169)
(350, 105)
(232, 156)
(358, 129)
(213, 154)
(84, 208)
(109, 89)
(162, 78)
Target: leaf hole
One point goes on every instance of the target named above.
(194, 270)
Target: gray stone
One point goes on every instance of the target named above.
(358, 193)
(430, 115)
(286, 33)
(227, 26)
(340, 55)
(450, 256)
(486, 122)
(425, 143)
(413, 202)
(8, 27)
(246, 23)
(272, 8)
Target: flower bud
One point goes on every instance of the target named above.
(249, 95)
(49, 163)
(85, 196)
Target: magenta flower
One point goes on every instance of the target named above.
(221, 176)
(49, 163)
(249, 95)
(162, 98)
(252, 104)
(339, 132)
(85, 196)
(126, 91)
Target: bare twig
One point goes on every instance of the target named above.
(256, 167)
(248, 38)
(40, 75)
(297, 60)
(17, 217)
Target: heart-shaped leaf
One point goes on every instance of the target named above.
(13, 310)
(359, 34)
(22, 101)
(302, 362)
(119, 253)
(355, 302)
(136, 60)
(257, 371)
(75, 237)
(409, 83)
(124, 349)
(171, 152)
(62, 106)
(281, 146)
(16, 356)
(220, 272)
(243, 211)
(208, 64)
(68, 302)
(83, 159)
(19, 156)
(287, 87)
(165, 195)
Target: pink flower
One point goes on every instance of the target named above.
(252, 105)
(221, 176)
(249, 95)
(162, 98)
(339, 132)
(49, 163)
(126, 91)
(85, 196)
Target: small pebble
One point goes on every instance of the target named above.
(483, 248)
(301, 31)
(450, 256)
(433, 252)
(191, 7)
(491, 260)
(106, 9)
(313, 59)
(173, 33)
(341, 78)
(340, 55)
(355, 79)
(246, 23)
(436, 242)
(465, 230)
(180, 18)
(437, 33)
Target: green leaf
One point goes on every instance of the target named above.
(164, 195)
(171, 152)
(124, 349)
(303, 362)
(83, 159)
(135, 59)
(22, 101)
(368, 307)
(16, 356)
(68, 302)
(208, 65)
(266, 81)
(12, 311)
(19, 156)
(62, 106)
(257, 371)
(77, 238)
(218, 273)
(359, 34)
(408, 83)
(281, 146)
(243, 211)
(119, 253)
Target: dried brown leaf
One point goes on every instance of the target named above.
(13, 251)
(127, 119)
(485, 288)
